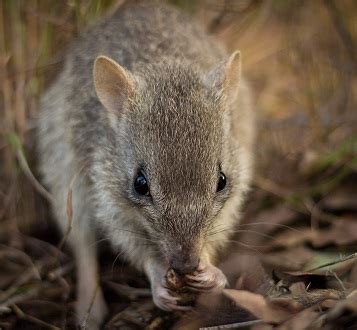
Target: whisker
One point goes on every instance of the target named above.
(99, 241)
(256, 223)
(243, 244)
(140, 234)
(215, 227)
(246, 231)
(272, 224)
(218, 232)
(116, 258)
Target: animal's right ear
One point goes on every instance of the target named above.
(113, 84)
(225, 77)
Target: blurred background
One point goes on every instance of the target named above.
(300, 58)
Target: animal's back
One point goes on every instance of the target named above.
(145, 32)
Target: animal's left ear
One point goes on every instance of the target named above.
(232, 75)
(225, 77)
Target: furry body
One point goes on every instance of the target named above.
(172, 124)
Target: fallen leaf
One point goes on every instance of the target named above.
(300, 321)
(267, 310)
(311, 280)
(342, 316)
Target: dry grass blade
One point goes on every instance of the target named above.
(343, 31)
(30, 293)
(304, 86)
(129, 292)
(352, 256)
(26, 169)
(33, 319)
(60, 271)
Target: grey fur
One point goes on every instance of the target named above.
(173, 126)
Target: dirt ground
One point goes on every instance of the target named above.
(292, 262)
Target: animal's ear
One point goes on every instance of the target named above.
(113, 84)
(232, 75)
(225, 77)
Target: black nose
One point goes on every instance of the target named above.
(184, 265)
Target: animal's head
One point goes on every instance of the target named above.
(171, 128)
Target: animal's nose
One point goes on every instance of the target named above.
(184, 265)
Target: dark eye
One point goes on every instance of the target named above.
(141, 185)
(221, 181)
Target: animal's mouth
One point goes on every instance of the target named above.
(184, 261)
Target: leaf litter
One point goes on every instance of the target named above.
(292, 264)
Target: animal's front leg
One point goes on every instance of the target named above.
(163, 297)
(91, 308)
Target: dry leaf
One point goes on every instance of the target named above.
(267, 310)
(300, 321)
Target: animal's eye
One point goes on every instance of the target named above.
(221, 181)
(141, 185)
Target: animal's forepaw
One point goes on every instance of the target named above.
(166, 299)
(207, 278)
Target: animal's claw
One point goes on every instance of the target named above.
(207, 279)
(165, 299)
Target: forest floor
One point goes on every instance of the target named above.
(292, 263)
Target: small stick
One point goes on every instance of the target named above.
(353, 255)
(342, 29)
(37, 185)
(32, 319)
(128, 291)
(339, 282)
(233, 325)
(20, 297)
(60, 271)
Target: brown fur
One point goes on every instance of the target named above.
(174, 105)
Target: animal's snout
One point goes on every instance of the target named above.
(184, 264)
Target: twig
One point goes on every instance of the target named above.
(32, 319)
(57, 274)
(55, 61)
(26, 169)
(339, 282)
(13, 252)
(342, 30)
(354, 255)
(128, 291)
(60, 271)
(30, 273)
(233, 325)
(20, 297)
(4, 310)
(46, 247)
(216, 22)
(282, 193)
